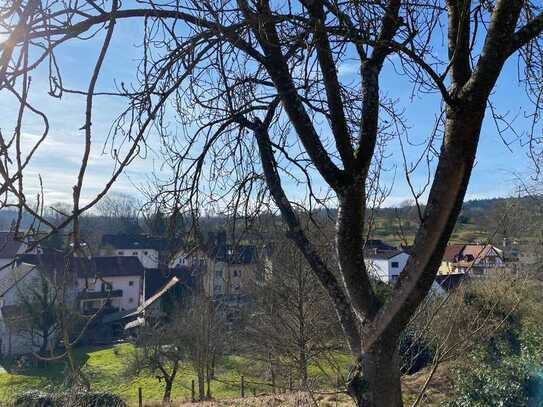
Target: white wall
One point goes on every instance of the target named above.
(401, 259)
(147, 257)
(378, 269)
(131, 297)
(383, 268)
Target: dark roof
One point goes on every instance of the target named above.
(127, 242)
(104, 266)
(381, 254)
(9, 246)
(377, 244)
(113, 266)
(236, 254)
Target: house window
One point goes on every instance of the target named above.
(130, 299)
(120, 252)
(146, 253)
(236, 273)
(134, 253)
(394, 264)
(130, 283)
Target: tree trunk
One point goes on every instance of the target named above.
(44, 343)
(375, 379)
(201, 384)
(208, 387)
(167, 390)
(303, 368)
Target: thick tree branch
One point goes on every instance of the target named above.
(296, 233)
(495, 49)
(458, 41)
(276, 65)
(338, 121)
(527, 33)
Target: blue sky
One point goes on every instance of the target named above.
(58, 159)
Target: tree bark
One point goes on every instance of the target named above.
(374, 381)
(167, 390)
(201, 384)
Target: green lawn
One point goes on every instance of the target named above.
(105, 368)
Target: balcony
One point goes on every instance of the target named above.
(100, 295)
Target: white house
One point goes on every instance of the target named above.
(149, 250)
(385, 265)
(116, 283)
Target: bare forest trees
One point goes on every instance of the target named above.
(291, 325)
(191, 334)
(39, 313)
(257, 86)
(160, 352)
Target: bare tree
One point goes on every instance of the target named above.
(38, 304)
(204, 330)
(120, 211)
(190, 334)
(291, 325)
(160, 352)
(260, 81)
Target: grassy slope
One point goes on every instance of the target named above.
(105, 368)
(390, 233)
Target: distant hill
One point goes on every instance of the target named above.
(480, 220)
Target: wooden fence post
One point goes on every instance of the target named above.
(140, 397)
(242, 386)
(192, 392)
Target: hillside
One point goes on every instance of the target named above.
(480, 220)
(106, 366)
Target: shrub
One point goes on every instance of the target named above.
(92, 399)
(415, 353)
(36, 398)
(513, 383)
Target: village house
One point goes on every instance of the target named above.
(231, 270)
(384, 262)
(153, 252)
(227, 270)
(115, 283)
(195, 256)
(475, 259)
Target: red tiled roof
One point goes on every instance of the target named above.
(452, 252)
(466, 254)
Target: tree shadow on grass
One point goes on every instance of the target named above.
(49, 372)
